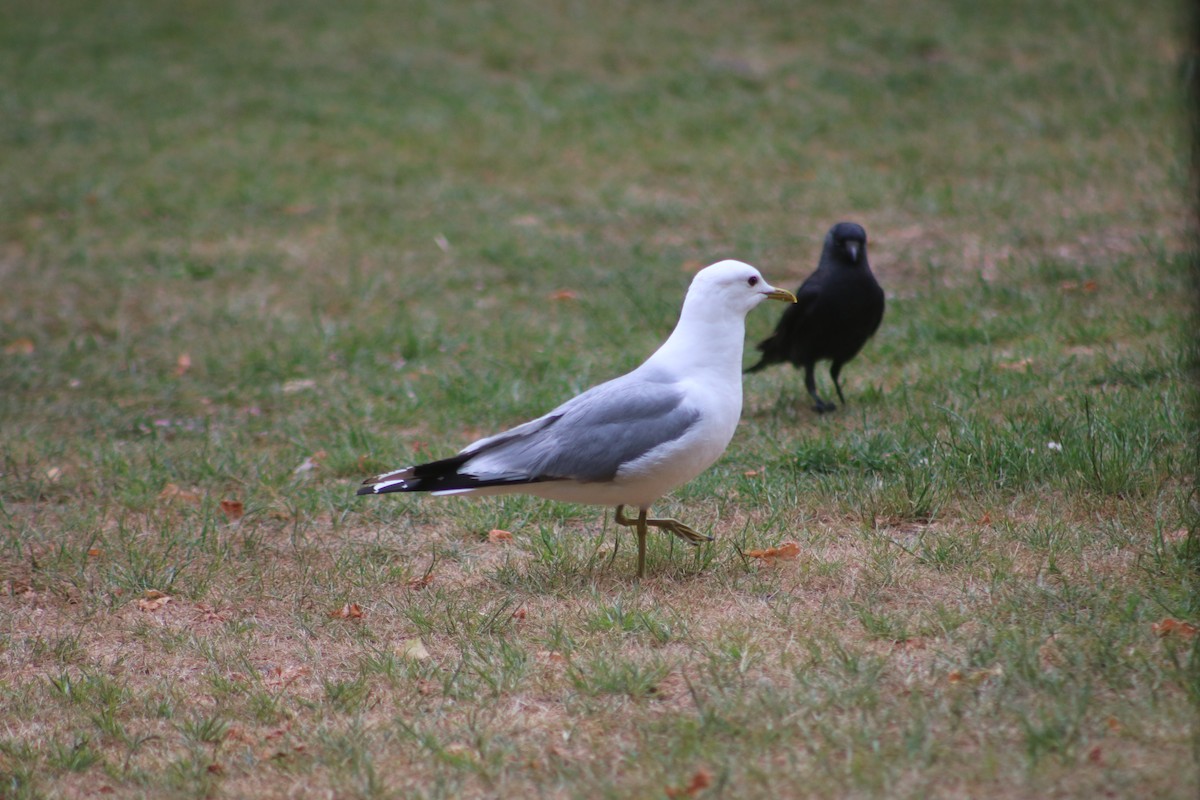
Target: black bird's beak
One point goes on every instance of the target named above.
(852, 248)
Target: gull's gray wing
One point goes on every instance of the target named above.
(591, 436)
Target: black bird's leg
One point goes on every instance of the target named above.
(810, 383)
(834, 371)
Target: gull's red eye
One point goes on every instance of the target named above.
(752, 280)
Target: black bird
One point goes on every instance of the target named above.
(838, 308)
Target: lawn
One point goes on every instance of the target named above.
(254, 252)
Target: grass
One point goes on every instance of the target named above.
(252, 252)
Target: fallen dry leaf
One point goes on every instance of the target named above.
(277, 732)
(1021, 365)
(975, 677)
(172, 492)
(564, 294)
(412, 649)
(281, 677)
(54, 474)
(234, 509)
(209, 614)
(551, 656)
(182, 365)
(348, 611)
(298, 385)
(309, 464)
(19, 347)
(153, 600)
(520, 613)
(1174, 627)
(497, 536)
(699, 782)
(911, 643)
(419, 583)
(785, 552)
(94, 552)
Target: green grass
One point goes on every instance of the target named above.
(353, 220)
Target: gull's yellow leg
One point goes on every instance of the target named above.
(640, 524)
(685, 532)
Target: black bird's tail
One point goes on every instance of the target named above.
(770, 355)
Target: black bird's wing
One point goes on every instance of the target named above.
(793, 326)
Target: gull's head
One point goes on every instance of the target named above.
(733, 286)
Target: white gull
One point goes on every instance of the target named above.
(629, 441)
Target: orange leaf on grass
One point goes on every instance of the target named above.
(699, 782)
(207, 613)
(153, 601)
(564, 294)
(172, 492)
(497, 536)
(234, 509)
(419, 583)
(785, 552)
(19, 347)
(310, 464)
(348, 611)
(975, 677)
(280, 677)
(1174, 627)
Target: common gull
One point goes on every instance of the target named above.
(629, 441)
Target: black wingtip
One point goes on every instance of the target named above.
(366, 490)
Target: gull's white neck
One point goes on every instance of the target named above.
(705, 340)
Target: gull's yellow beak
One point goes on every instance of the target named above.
(781, 294)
